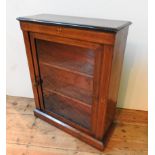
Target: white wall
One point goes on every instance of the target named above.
(133, 89)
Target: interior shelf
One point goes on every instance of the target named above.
(79, 104)
(66, 69)
(75, 59)
(72, 85)
(67, 108)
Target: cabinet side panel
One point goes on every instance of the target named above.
(105, 71)
(117, 63)
(31, 66)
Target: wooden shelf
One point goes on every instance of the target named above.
(72, 58)
(67, 83)
(79, 104)
(69, 108)
(66, 69)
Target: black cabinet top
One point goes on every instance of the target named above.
(78, 22)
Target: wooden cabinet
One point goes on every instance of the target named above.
(75, 66)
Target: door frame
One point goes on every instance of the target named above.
(98, 48)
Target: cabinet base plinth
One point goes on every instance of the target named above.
(69, 129)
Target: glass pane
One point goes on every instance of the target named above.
(67, 74)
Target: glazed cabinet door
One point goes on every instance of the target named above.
(67, 74)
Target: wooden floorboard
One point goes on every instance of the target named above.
(28, 135)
